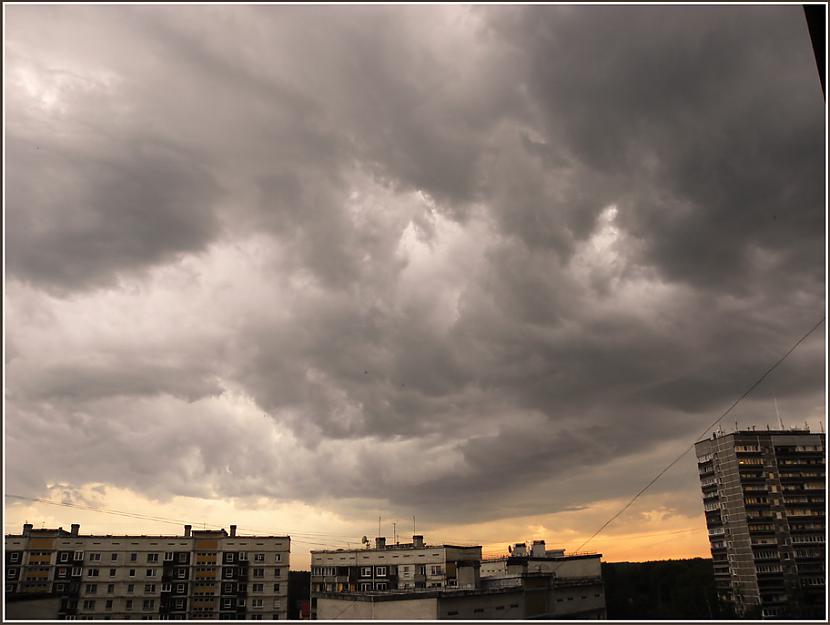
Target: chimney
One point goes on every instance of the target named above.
(418, 541)
(76, 527)
(380, 542)
(187, 529)
(538, 549)
(233, 530)
(27, 529)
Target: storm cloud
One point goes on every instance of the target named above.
(472, 262)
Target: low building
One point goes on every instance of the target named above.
(542, 560)
(410, 566)
(208, 574)
(529, 596)
(523, 585)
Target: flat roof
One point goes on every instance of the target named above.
(426, 593)
(401, 547)
(153, 536)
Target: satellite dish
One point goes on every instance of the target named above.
(509, 549)
(365, 541)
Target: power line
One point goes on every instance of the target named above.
(702, 434)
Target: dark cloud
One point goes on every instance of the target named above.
(475, 262)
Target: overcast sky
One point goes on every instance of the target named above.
(299, 267)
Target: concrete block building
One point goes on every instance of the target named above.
(409, 566)
(201, 574)
(764, 500)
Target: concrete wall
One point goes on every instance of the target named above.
(406, 609)
(506, 605)
(581, 567)
(45, 609)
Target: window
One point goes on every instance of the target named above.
(152, 557)
(365, 586)
(243, 555)
(110, 588)
(256, 617)
(366, 571)
(180, 604)
(182, 557)
(436, 570)
(277, 572)
(228, 557)
(229, 572)
(381, 586)
(95, 557)
(259, 572)
(227, 603)
(130, 587)
(133, 557)
(276, 587)
(166, 587)
(78, 555)
(151, 572)
(11, 573)
(260, 557)
(179, 588)
(64, 557)
(181, 573)
(258, 587)
(168, 556)
(61, 572)
(92, 572)
(241, 587)
(112, 572)
(108, 605)
(128, 605)
(114, 557)
(59, 587)
(132, 573)
(89, 604)
(149, 588)
(256, 603)
(76, 570)
(91, 589)
(277, 557)
(381, 571)
(148, 604)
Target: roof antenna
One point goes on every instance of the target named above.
(780, 422)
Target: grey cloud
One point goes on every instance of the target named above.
(527, 349)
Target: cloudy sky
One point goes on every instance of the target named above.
(299, 267)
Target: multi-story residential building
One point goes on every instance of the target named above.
(203, 574)
(407, 566)
(764, 500)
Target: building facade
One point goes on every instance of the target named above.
(528, 596)
(574, 589)
(410, 566)
(764, 500)
(208, 574)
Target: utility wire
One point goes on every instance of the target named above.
(702, 434)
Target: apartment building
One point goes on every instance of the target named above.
(764, 500)
(408, 566)
(201, 574)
